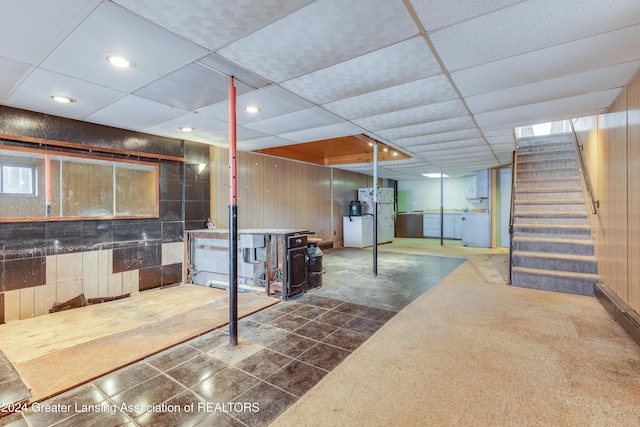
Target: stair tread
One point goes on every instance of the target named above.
(556, 273)
(550, 190)
(547, 179)
(558, 226)
(548, 213)
(554, 255)
(585, 242)
(549, 202)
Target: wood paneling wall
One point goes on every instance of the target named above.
(613, 160)
(280, 193)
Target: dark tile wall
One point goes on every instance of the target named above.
(196, 186)
(137, 243)
(159, 276)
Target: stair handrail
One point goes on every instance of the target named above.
(514, 172)
(594, 204)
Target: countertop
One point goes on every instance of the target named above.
(282, 231)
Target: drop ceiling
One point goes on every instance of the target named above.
(442, 81)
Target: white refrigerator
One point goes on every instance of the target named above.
(386, 213)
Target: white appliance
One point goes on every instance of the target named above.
(357, 231)
(476, 230)
(386, 213)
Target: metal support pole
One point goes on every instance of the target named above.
(441, 208)
(375, 208)
(233, 221)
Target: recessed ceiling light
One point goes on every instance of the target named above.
(187, 129)
(252, 109)
(395, 153)
(385, 149)
(434, 175)
(62, 99)
(120, 61)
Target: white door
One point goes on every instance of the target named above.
(504, 207)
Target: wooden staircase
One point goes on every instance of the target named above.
(552, 246)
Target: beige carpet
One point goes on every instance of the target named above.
(475, 351)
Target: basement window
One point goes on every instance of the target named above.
(18, 179)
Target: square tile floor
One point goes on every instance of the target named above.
(283, 351)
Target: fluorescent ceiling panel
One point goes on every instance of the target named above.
(373, 71)
(322, 34)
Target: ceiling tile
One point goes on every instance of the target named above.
(373, 71)
(426, 113)
(405, 96)
(273, 101)
(203, 126)
(36, 26)
(191, 88)
(133, 112)
(12, 72)
(437, 14)
(504, 33)
(570, 58)
(562, 87)
(459, 123)
(264, 142)
(296, 121)
(112, 30)
(325, 132)
(324, 33)
(463, 143)
(221, 137)
(213, 23)
(438, 137)
(549, 111)
(229, 69)
(35, 94)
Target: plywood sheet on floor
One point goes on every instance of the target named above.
(59, 351)
(12, 389)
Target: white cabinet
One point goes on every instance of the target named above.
(457, 226)
(431, 225)
(452, 227)
(477, 186)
